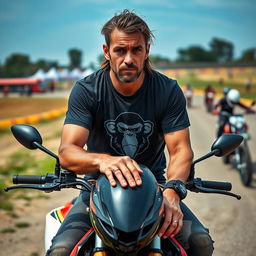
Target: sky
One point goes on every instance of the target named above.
(47, 29)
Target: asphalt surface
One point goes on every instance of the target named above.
(232, 222)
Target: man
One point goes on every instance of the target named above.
(125, 114)
(226, 107)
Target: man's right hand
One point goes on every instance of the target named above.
(122, 168)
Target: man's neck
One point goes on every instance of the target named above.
(127, 89)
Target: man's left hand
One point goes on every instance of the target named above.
(173, 216)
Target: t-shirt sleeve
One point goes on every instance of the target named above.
(175, 115)
(80, 107)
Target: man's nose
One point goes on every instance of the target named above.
(128, 59)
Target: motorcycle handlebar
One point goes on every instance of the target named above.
(217, 185)
(29, 179)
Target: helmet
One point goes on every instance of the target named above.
(126, 219)
(233, 97)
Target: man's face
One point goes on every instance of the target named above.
(126, 54)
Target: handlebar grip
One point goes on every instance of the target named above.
(217, 185)
(29, 179)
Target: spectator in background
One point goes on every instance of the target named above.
(248, 84)
(27, 90)
(6, 91)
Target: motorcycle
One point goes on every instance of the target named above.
(125, 221)
(209, 101)
(241, 155)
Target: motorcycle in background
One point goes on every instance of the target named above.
(241, 155)
(125, 221)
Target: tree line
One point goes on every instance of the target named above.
(220, 51)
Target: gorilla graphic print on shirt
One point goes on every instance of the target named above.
(129, 134)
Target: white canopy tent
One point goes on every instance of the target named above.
(52, 74)
(76, 74)
(40, 74)
(65, 75)
(87, 72)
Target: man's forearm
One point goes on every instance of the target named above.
(79, 160)
(179, 166)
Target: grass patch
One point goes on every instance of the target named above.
(7, 205)
(34, 254)
(22, 225)
(24, 197)
(22, 163)
(46, 166)
(13, 215)
(17, 163)
(19, 107)
(8, 230)
(42, 196)
(56, 135)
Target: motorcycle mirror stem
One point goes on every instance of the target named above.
(223, 145)
(30, 138)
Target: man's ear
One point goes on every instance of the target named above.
(106, 51)
(147, 50)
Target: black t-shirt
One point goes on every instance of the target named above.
(128, 125)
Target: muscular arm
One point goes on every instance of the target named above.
(74, 157)
(180, 155)
(180, 159)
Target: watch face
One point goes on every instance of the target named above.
(183, 189)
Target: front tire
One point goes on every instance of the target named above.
(245, 168)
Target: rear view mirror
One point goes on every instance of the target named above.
(27, 135)
(226, 143)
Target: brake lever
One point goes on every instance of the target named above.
(216, 191)
(45, 187)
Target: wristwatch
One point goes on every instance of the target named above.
(178, 186)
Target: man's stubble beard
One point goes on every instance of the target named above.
(122, 79)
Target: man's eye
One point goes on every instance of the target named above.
(119, 50)
(137, 49)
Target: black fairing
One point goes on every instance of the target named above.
(26, 135)
(128, 209)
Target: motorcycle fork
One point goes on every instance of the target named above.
(155, 249)
(99, 249)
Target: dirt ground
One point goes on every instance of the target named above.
(29, 241)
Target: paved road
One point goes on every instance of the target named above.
(232, 223)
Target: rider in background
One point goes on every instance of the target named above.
(188, 92)
(226, 108)
(209, 94)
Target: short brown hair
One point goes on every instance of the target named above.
(127, 22)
